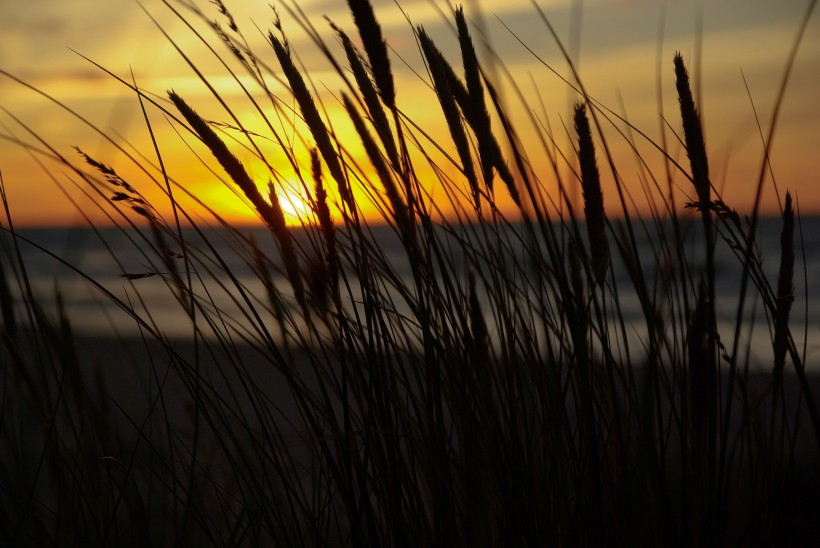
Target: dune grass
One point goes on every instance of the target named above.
(483, 382)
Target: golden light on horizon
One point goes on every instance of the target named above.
(295, 206)
(615, 44)
(229, 206)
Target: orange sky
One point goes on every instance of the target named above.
(615, 43)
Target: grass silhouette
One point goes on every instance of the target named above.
(482, 382)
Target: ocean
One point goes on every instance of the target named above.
(106, 255)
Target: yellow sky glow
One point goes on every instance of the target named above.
(615, 44)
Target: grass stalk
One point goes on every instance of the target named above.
(451, 369)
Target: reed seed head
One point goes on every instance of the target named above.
(476, 112)
(693, 133)
(271, 212)
(593, 196)
(478, 326)
(376, 49)
(288, 250)
(325, 222)
(785, 289)
(397, 203)
(232, 166)
(440, 71)
(370, 97)
(702, 378)
(312, 118)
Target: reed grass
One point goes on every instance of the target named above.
(593, 196)
(485, 377)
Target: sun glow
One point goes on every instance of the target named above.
(295, 207)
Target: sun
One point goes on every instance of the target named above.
(295, 207)
(229, 204)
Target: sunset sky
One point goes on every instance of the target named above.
(615, 44)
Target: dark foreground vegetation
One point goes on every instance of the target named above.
(496, 393)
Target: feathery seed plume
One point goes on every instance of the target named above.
(325, 221)
(376, 49)
(692, 131)
(373, 153)
(476, 112)
(312, 119)
(439, 69)
(271, 213)
(593, 196)
(785, 290)
(371, 98)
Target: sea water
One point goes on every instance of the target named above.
(90, 268)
